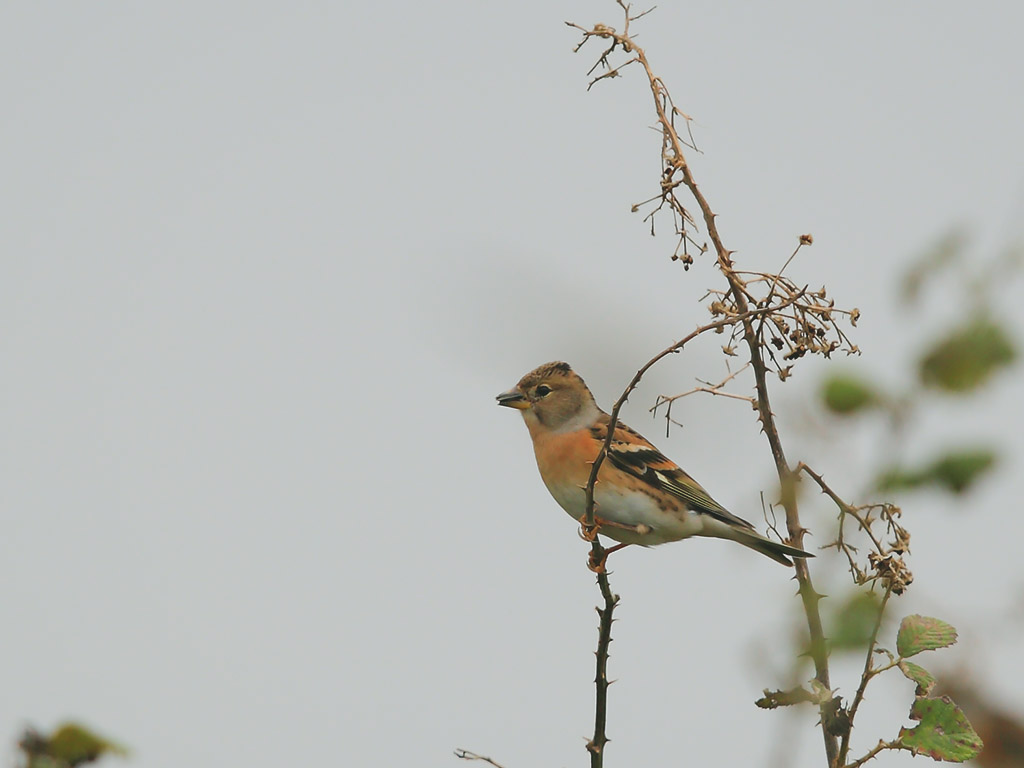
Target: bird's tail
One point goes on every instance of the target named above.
(776, 550)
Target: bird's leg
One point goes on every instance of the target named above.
(597, 565)
(589, 532)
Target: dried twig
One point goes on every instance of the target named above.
(885, 560)
(707, 388)
(868, 673)
(465, 754)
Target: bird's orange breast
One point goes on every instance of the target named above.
(566, 458)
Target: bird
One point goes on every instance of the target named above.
(641, 496)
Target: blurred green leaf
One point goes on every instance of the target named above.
(71, 744)
(76, 744)
(845, 394)
(943, 733)
(968, 357)
(923, 633)
(924, 679)
(896, 479)
(854, 621)
(955, 471)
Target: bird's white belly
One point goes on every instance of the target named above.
(633, 509)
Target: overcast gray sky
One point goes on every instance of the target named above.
(264, 267)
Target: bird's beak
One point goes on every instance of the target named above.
(513, 399)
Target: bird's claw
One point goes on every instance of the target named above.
(596, 564)
(599, 556)
(588, 531)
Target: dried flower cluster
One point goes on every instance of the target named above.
(889, 541)
(799, 321)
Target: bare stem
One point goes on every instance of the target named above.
(879, 747)
(808, 596)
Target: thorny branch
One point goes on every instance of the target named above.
(802, 322)
(597, 743)
(868, 673)
(884, 565)
(873, 752)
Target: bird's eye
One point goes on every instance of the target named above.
(543, 390)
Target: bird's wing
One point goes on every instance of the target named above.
(632, 453)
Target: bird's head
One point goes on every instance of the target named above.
(552, 398)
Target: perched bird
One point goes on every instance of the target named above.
(640, 496)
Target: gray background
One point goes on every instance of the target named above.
(265, 266)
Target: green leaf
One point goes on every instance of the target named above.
(844, 394)
(955, 471)
(70, 745)
(968, 357)
(899, 479)
(854, 622)
(944, 733)
(923, 633)
(924, 679)
(958, 471)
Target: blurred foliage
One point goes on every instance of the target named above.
(959, 362)
(955, 471)
(962, 361)
(968, 357)
(846, 394)
(853, 623)
(71, 744)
